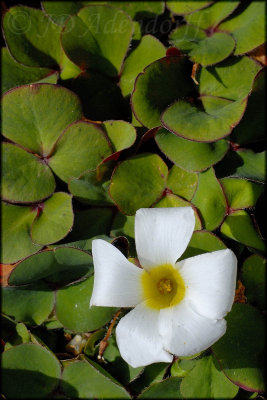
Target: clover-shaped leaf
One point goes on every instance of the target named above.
(34, 379)
(182, 183)
(241, 193)
(72, 308)
(206, 380)
(209, 17)
(148, 50)
(202, 48)
(247, 27)
(15, 74)
(186, 7)
(141, 9)
(26, 178)
(86, 379)
(92, 186)
(31, 304)
(161, 83)
(210, 200)
(223, 80)
(42, 111)
(52, 263)
(54, 220)
(83, 146)
(59, 11)
(98, 38)
(16, 240)
(214, 120)
(32, 38)
(244, 369)
(240, 227)
(167, 389)
(190, 155)
(138, 182)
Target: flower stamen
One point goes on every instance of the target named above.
(165, 286)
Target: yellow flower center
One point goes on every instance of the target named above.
(162, 286)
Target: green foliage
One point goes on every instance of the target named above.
(105, 111)
(27, 379)
(244, 369)
(141, 180)
(73, 311)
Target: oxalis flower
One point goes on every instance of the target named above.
(179, 306)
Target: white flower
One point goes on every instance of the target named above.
(179, 306)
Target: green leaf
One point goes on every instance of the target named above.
(116, 366)
(171, 200)
(206, 381)
(31, 37)
(59, 11)
(161, 83)
(90, 223)
(210, 200)
(98, 38)
(167, 389)
(91, 187)
(182, 183)
(65, 262)
(186, 7)
(42, 112)
(31, 304)
(254, 279)
(215, 121)
(54, 221)
(202, 242)
(138, 182)
(251, 127)
(140, 10)
(241, 193)
(86, 379)
(73, 311)
(153, 373)
(83, 146)
(15, 74)
(120, 133)
(33, 379)
(243, 163)
(252, 165)
(202, 48)
(149, 49)
(26, 178)
(16, 240)
(190, 155)
(211, 16)
(239, 354)
(239, 226)
(23, 332)
(180, 367)
(223, 80)
(247, 27)
(101, 97)
(123, 225)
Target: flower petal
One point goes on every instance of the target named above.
(117, 282)
(210, 279)
(185, 332)
(162, 234)
(138, 337)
